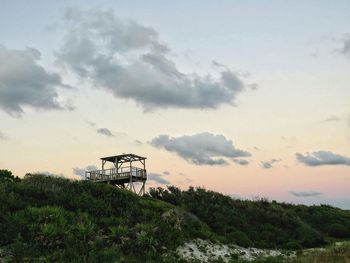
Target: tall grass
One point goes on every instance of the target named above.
(338, 253)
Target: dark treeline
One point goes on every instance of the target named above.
(260, 223)
(52, 219)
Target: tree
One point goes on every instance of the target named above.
(6, 176)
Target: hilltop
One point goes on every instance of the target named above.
(48, 219)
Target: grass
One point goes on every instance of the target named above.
(337, 253)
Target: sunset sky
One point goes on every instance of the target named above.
(248, 98)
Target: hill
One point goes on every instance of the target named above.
(53, 219)
(260, 223)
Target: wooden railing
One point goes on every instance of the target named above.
(113, 174)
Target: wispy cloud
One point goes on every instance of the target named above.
(105, 131)
(333, 118)
(144, 70)
(305, 193)
(91, 123)
(269, 164)
(241, 161)
(2, 136)
(322, 158)
(138, 142)
(345, 49)
(81, 171)
(291, 139)
(201, 149)
(158, 178)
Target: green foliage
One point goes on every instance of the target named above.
(339, 230)
(6, 176)
(52, 219)
(333, 221)
(260, 223)
(57, 220)
(338, 253)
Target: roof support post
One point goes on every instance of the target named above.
(130, 176)
(103, 165)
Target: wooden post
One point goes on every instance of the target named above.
(130, 176)
(144, 170)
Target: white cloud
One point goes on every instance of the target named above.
(269, 164)
(128, 59)
(105, 131)
(81, 171)
(201, 149)
(305, 193)
(322, 158)
(23, 82)
(157, 178)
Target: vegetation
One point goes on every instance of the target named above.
(261, 223)
(336, 253)
(7, 176)
(58, 220)
(51, 219)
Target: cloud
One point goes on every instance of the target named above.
(81, 171)
(127, 59)
(333, 118)
(305, 194)
(2, 136)
(91, 123)
(269, 164)
(23, 82)
(157, 178)
(105, 131)
(240, 161)
(322, 158)
(291, 139)
(345, 50)
(200, 149)
(138, 142)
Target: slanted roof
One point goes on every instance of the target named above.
(123, 158)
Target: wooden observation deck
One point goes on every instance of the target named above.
(123, 175)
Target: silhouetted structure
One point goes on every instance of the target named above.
(124, 175)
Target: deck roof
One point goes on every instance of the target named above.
(123, 158)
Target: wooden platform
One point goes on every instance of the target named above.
(124, 173)
(111, 176)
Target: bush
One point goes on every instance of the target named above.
(6, 176)
(259, 223)
(57, 220)
(338, 231)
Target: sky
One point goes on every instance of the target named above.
(247, 98)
